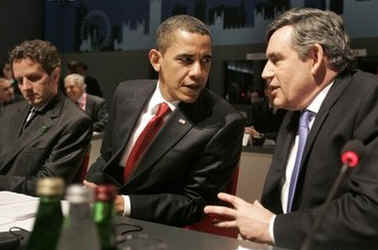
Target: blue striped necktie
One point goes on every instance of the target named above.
(303, 130)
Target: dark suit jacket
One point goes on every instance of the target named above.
(264, 120)
(93, 87)
(350, 111)
(52, 145)
(187, 164)
(96, 109)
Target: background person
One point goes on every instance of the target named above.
(45, 135)
(93, 87)
(94, 106)
(6, 91)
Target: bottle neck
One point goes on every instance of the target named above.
(50, 199)
(79, 212)
(49, 205)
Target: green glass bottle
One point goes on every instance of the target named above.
(103, 211)
(49, 218)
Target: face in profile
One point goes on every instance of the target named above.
(289, 79)
(73, 91)
(6, 91)
(7, 71)
(35, 84)
(184, 66)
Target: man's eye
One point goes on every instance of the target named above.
(186, 60)
(34, 78)
(206, 60)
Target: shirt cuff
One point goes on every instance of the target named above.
(126, 205)
(271, 229)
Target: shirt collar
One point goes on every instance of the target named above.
(82, 100)
(319, 98)
(158, 98)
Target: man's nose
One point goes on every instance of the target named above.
(25, 84)
(267, 71)
(196, 70)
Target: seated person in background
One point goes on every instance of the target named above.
(265, 120)
(6, 92)
(94, 106)
(7, 74)
(93, 87)
(169, 176)
(46, 135)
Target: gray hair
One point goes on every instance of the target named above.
(179, 22)
(77, 79)
(315, 26)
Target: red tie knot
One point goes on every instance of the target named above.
(163, 109)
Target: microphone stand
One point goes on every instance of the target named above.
(307, 243)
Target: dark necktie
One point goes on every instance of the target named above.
(303, 130)
(144, 139)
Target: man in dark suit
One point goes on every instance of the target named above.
(264, 120)
(94, 106)
(6, 93)
(45, 135)
(195, 152)
(308, 73)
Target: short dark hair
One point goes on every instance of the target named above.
(42, 52)
(315, 26)
(72, 66)
(180, 22)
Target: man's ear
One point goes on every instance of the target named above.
(55, 74)
(155, 59)
(316, 53)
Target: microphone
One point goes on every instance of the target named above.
(350, 156)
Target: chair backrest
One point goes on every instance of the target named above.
(206, 224)
(80, 176)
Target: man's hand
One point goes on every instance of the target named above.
(252, 131)
(89, 184)
(119, 204)
(252, 220)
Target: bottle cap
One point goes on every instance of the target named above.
(105, 193)
(79, 194)
(50, 186)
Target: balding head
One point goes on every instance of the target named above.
(74, 86)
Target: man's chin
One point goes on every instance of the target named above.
(190, 99)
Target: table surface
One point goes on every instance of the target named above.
(19, 210)
(184, 239)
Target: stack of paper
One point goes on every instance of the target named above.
(17, 210)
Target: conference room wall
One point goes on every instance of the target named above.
(19, 20)
(112, 67)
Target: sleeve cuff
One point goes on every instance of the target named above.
(271, 229)
(126, 205)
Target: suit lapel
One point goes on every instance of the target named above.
(39, 126)
(20, 119)
(130, 107)
(172, 131)
(281, 155)
(89, 105)
(176, 127)
(333, 95)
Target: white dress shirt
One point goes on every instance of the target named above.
(146, 115)
(313, 107)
